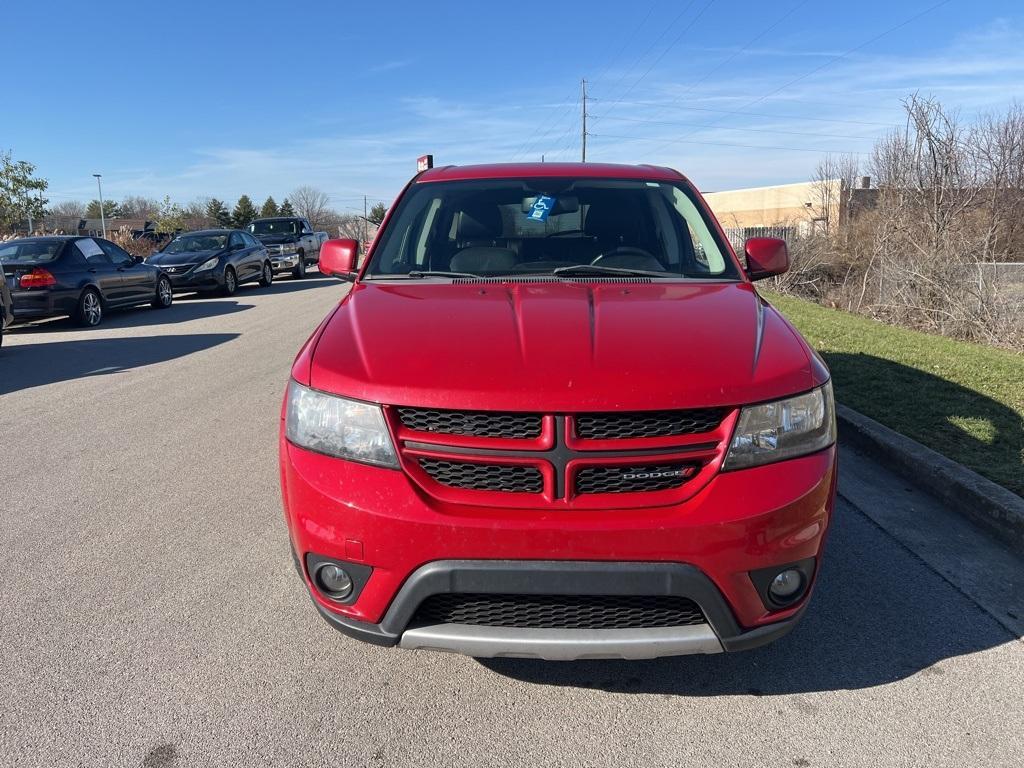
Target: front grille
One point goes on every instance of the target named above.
(631, 479)
(511, 426)
(632, 424)
(560, 611)
(484, 477)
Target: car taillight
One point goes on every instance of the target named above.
(37, 278)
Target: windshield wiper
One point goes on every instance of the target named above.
(597, 269)
(438, 273)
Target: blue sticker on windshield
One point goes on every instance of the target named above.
(541, 208)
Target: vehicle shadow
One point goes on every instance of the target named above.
(137, 318)
(34, 365)
(280, 285)
(290, 284)
(944, 415)
(878, 615)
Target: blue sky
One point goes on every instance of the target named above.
(198, 99)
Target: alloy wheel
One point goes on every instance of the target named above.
(92, 310)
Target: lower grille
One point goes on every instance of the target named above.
(484, 477)
(632, 479)
(559, 611)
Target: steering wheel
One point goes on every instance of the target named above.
(623, 250)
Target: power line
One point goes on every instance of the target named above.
(745, 46)
(727, 144)
(828, 63)
(625, 45)
(670, 46)
(736, 128)
(749, 114)
(531, 142)
(651, 47)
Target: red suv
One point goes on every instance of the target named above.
(553, 418)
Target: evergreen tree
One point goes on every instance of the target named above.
(286, 209)
(377, 213)
(269, 209)
(110, 209)
(217, 212)
(244, 212)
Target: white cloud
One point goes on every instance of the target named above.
(374, 152)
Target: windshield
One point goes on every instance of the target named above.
(30, 251)
(275, 227)
(190, 243)
(550, 226)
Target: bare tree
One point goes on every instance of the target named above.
(312, 204)
(949, 197)
(69, 208)
(139, 207)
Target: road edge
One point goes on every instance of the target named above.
(991, 506)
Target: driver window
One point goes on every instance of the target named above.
(117, 256)
(236, 241)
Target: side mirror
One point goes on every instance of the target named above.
(766, 256)
(338, 258)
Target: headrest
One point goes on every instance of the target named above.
(481, 222)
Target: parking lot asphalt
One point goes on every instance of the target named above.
(151, 616)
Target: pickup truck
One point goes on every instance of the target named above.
(290, 241)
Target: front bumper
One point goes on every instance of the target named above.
(704, 548)
(284, 263)
(719, 633)
(191, 281)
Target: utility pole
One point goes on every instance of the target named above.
(366, 228)
(103, 218)
(583, 138)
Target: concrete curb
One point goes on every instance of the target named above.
(990, 505)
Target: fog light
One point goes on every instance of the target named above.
(786, 585)
(334, 581)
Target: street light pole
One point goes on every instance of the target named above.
(103, 219)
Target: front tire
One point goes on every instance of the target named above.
(164, 293)
(300, 269)
(230, 282)
(268, 275)
(89, 312)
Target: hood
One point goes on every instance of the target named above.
(559, 346)
(185, 257)
(277, 239)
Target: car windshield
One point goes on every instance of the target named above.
(190, 243)
(29, 251)
(543, 226)
(274, 227)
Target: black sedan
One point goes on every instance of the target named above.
(81, 277)
(214, 259)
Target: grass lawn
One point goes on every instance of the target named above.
(965, 401)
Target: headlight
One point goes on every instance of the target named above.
(208, 264)
(338, 427)
(784, 429)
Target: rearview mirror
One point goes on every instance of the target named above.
(338, 258)
(766, 256)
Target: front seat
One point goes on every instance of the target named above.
(481, 246)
